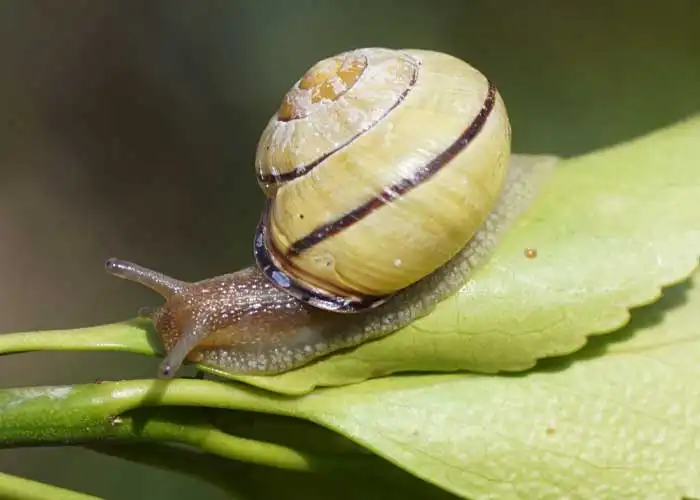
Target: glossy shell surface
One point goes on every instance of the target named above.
(379, 166)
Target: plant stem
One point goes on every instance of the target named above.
(18, 488)
(180, 411)
(129, 336)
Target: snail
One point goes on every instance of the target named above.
(388, 178)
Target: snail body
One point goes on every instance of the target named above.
(387, 180)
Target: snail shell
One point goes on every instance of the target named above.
(379, 166)
(388, 178)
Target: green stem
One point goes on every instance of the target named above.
(89, 408)
(18, 488)
(181, 411)
(130, 336)
(192, 426)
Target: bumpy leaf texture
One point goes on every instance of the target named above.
(618, 419)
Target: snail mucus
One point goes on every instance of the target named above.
(388, 178)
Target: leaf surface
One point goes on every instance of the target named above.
(618, 419)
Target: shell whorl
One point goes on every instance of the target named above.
(328, 108)
(360, 202)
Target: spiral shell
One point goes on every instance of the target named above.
(379, 166)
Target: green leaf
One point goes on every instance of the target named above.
(618, 419)
(610, 229)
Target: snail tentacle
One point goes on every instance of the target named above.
(193, 333)
(156, 281)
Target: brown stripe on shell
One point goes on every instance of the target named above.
(271, 262)
(400, 188)
(271, 179)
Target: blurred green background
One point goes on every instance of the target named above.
(129, 128)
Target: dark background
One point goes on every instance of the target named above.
(128, 128)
